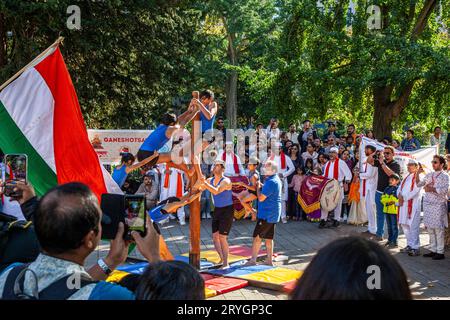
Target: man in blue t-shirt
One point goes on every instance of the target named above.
(269, 212)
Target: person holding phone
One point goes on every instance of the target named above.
(68, 227)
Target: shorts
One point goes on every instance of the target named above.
(144, 154)
(222, 220)
(264, 230)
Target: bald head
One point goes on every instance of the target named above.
(65, 215)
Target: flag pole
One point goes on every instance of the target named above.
(14, 77)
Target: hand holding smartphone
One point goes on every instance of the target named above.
(135, 216)
(15, 170)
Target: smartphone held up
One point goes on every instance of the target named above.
(15, 170)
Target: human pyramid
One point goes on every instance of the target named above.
(203, 107)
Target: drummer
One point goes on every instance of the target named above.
(336, 169)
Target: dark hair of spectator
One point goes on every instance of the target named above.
(170, 280)
(309, 163)
(372, 148)
(410, 131)
(441, 159)
(352, 259)
(65, 215)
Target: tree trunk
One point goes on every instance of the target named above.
(383, 115)
(231, 91)
(231, 84)
(2, 41)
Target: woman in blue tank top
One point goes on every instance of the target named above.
(121, 172)
(220, 187)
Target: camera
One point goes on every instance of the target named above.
(376, 156)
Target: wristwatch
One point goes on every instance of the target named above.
(101, 263)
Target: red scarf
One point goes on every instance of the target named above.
(235, 162)
(282, 159)
(335, 169)
(179, 182)
(410, 201)
(364, 183)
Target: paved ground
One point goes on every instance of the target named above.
(300, 241)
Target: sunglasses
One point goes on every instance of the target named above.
(387, 153)
(434, 162)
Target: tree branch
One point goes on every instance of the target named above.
(422, 20)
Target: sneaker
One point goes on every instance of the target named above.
(208, 216)
(439, 256)
(392, 245)
(335, 224)
(430, 254)
(322, 224)
(406, 250)
(182, 222)
(414, 253)
(377, 238)
(284, 220)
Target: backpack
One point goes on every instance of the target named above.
(58, 290)
(7, 225)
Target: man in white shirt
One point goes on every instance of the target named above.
(272, 131)
(172, 185)
(285, 168)
(233, 164)
(410, 200)
(367, 190)
(336, 169)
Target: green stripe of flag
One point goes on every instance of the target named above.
(12, 140)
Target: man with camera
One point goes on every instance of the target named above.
(387, 167)
(68, 227)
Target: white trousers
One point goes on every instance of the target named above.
(283, 209)
(412, 232)
(371, 211)
(181, 214)
(337, 210)
(437, 240)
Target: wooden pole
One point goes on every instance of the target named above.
(14, 77)
(194, 219)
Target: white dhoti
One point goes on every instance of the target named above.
(371, 211)
(412, 231)
(284, 197)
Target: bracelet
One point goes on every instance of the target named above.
(102, 264)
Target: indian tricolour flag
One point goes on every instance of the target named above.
(40, 116)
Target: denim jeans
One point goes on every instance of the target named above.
(205, 202)
(380, 214)
(392, 226)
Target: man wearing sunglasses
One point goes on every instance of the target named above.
(387, 167)
(435, 218)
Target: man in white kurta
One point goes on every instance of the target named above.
(367, 190)
(233, 164)
(172, 185)
(336, 169)
(436, 185)
(409, 196)
(285, 169)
